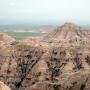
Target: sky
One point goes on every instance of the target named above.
(37, 12)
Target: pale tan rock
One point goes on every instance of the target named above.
(31, 64)
(3, 86)
(69, 35)
(6, 38)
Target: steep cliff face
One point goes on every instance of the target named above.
(35, 65)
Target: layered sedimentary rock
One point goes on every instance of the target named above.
(69, 35)
(36, 65)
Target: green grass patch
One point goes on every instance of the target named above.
(22, 35)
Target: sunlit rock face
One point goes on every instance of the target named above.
(3, 86)
(32, 64)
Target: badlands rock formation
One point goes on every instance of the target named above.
(6, 38)
(42, 65)
(69, 35)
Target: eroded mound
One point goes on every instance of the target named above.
(32, 64)
(6, 39)
(69, 35)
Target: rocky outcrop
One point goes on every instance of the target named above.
(34, 65)
(6, 38)
(69, 35)
(17, 63)
(26, 67)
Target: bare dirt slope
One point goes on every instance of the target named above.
(39, 65)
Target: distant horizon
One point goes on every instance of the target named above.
(42, 23)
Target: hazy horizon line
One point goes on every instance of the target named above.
(42, 23)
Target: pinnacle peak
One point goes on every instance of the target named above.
(71, 26)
